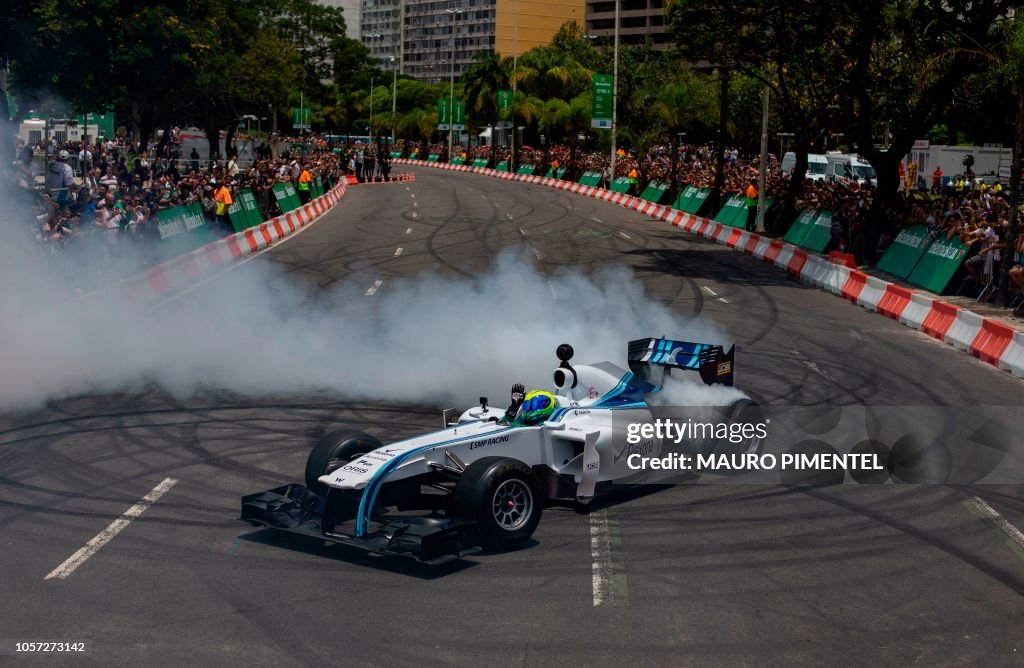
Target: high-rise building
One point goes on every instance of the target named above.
(350, 10)
(435, 30)
(638, 20)
(381, 28)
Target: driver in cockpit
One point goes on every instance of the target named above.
(530, 409)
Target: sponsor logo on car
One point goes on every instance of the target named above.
(488, 441)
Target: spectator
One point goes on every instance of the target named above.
(60, 179)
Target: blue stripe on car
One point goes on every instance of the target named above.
(373, 487)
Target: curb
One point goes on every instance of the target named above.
(989, 340)
(180, 271)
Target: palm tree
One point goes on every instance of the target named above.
(677, 104)
(482, 81)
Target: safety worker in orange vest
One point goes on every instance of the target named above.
(305, 183)
(937, 180)
(751, 194)
(632, 181)
(223, 201)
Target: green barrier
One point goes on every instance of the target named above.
(654, 191)
(525, 169)
(433, 157)
(592, 179)
(905, 251)
(552, 174)
(251, 208)
(480, 162)
(620, 185)
(238, 216)
(819, 233)
(692, 199)
(286, 197)
(395, 154)
(734, 213)
(801, 226)
(938, 264)
(181, 229)
(503, 166)
(318, 187)
(456, 161)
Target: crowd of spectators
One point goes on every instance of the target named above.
(111, 198)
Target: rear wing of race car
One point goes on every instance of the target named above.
(652, 359)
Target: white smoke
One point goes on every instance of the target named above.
(427, 339)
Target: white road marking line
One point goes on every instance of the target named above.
(415, 203)
(413, 195)
(398, 252)
(601, 557)
(1015, 534)
(551, 286)
(709, 291)
(509, 216)
(372, 290)
(116, 527)
(408, 230)
(415, 215)
(724, 301)
(813, 366)
(597, 220)
(522, 232)
(540, 256)
(625, 235)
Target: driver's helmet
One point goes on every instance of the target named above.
(537, 407)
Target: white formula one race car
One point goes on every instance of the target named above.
(483, 480)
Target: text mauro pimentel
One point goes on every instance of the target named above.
(676, 432)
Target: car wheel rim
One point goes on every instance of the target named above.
(512, 505)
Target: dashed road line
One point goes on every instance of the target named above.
(408, 230)
(602, 572)
(597, 220)
(105, 536)
(714, 294)
(540, 256)
(522, 232)
(551, 286)
(625, 236)
(372, 290)
(398, 252)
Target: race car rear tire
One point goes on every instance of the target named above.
(503, 496)
(334, 450)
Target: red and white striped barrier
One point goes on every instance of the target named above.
(183, 270)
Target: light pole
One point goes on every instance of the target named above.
(451, 88)
(369, 130)
(615, 90)
(394, 99)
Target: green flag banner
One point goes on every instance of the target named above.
(601, 101)
(443, 118)
(905, 251)
(938, 264)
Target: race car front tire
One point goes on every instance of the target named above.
(333, 451)
(503, 496)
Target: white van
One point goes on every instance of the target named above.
(817, 165)
(848, 167)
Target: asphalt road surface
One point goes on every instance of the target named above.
(698, 575)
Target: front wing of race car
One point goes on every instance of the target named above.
(294, 508)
